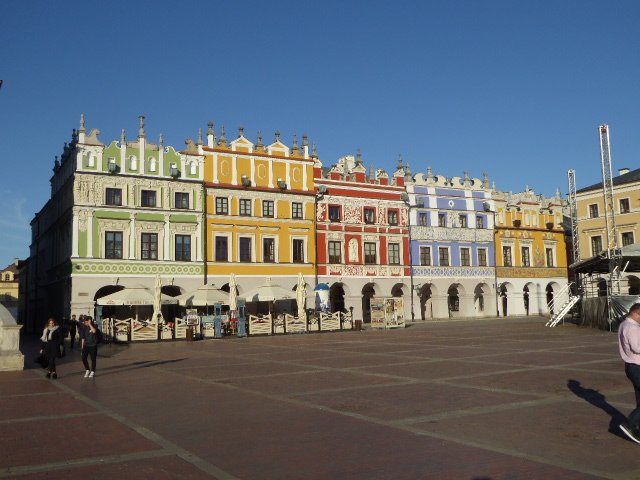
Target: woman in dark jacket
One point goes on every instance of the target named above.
(52, 339)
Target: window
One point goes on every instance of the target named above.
(443, 256)
(506, 257)
(442, 219)
(465, 257)
(182, 200)
(335, 213)
(267, 208)
(479, 221)
(369, 215)
(298, 251)
(593, 210)
(394, 254)
(624, 205)
(245, 249)
(392, 216)
(113, 245)
(268, 250)
(627, 238)
(482, 257)
(422, 219)
(222, 249)
(149, 246)
(462, 219)
(425, 256)
(549, 255)
(296, 210)
(183, 248)
(596, 245)
(370, 257)
(222, 206)
(148, 198)
(113, 196)
(245, 207)
(526, 256)
(335, 252)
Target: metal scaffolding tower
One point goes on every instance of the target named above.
(614, 254)
(573, 212)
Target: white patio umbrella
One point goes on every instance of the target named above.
(157, 299)
(268, 293)
(204, 296)
(135, 295)
(301, 298)
(233, 293)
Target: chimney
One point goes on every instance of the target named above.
(623, 170)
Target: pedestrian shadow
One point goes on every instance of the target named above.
(136, 365)
(597, 399)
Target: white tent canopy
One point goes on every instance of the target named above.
(135, 295)
(268, 293)
(204, 296)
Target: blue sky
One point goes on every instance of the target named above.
(514, 88)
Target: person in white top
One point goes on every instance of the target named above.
(629, 343)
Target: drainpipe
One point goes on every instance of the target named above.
(204, 231)
(495, 262)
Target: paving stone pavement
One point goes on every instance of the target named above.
(499, 399)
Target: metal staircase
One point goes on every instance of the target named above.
(566, 308)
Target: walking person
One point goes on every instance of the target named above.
(89, 339)
(52, 343)
(73, 328)
(629, 343)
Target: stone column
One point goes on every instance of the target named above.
(354, 301)
(439, 306)
(515, 305)
(10, 356)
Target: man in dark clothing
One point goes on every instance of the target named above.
(73, 327)
(89, 339)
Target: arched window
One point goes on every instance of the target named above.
(133, 162)
(92, 160)
(152, 164)
(193, 168)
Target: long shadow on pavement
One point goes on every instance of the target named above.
(597, 399)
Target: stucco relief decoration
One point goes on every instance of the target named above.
(441, 233)
(167, 198)
(322, 209)
(461, 272)
(334, 236)
(382, 216)
(184, 227)
(352, 214)
(83, 216)
(149, 227)
(225, 168)
(404, 219)
(370, 238)
(261, 171)
(353, 250)
(113, 224)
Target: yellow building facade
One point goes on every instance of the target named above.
(260, 211)
(531, 253)
(592, 229)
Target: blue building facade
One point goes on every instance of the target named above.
(452, 246)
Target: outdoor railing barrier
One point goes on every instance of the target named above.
(260, 324)
(330, 321)
(294, 324)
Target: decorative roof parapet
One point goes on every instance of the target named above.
(464, 182)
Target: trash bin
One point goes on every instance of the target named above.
(358, 324)
(190, 334)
